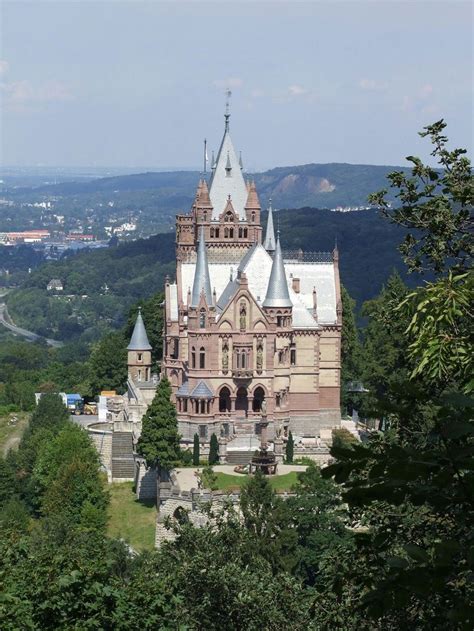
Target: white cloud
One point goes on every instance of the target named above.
(230, 82)
(22, 95)
(297, 90)
(4, 65)
(372, 85)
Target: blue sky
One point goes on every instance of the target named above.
(142, 83)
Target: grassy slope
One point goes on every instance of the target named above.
(130, 519)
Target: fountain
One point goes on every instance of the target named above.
(263, 460)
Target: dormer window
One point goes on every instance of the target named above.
(202, 319)
(228, 216)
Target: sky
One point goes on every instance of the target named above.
(133, 83)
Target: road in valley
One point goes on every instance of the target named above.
(6, 321)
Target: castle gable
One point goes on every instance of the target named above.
(227, 179)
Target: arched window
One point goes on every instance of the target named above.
(202, 318)
(253, 217)
(224, 400)
(216, 232)
(231, 233)
(240, 233)
(204, 215)
(228, 217)
(226, 233)
(202, 357)
(193, 357)
(258, 397)
(212, 233)
(245, 233)
(243, 359)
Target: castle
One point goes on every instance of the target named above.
(250, 330)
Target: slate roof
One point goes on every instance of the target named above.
(139, 340)
(202, 391)
(277, 290)
(183, 390)
(227, 179)
(202, 281)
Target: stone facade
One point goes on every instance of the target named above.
(231, 350)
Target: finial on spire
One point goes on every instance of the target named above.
(228, 166)
(228, 94)
(213, 161)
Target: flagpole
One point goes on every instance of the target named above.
(205, 156)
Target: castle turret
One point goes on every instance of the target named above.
(202, 280)
(269, 243)
(139, 352)
(277, 291)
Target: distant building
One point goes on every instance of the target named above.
(55, 285)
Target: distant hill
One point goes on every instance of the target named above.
(315, 185)
(103, 284)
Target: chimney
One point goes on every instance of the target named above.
(296, 285)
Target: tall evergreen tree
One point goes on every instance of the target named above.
(214, 450)
(196, 450)
(351, 351)
(290, 448)
(159, 440)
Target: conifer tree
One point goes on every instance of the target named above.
(290, 447)
(159, 440)
(214, 450)
(196, 450)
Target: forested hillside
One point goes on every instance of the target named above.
(101, 285)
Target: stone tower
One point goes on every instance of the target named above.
(139, 353)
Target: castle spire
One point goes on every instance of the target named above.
(269, 243)
(277, 291)
(139, 340)
(202, 280)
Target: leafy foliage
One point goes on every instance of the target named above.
(196, 450)
(436, 206)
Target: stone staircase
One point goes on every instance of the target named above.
(239, 457)
(123, 464)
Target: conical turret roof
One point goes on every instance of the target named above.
(269, 243)
(277, 290)
(202, 280)
(252, 197)
(139, 340)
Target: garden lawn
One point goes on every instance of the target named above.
(129, 519)
(227, 482)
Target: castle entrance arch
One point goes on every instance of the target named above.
(258, 398)
(224, 400)
(242, 402)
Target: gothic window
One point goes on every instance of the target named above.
(224, 400)
(240, 233)
(279, 320)
(245, 233)
(216, 232)
(175, 352)
(228, 217)
(203, 431)
(253, 217)
(212, 233)
(258, 397)
(193, 357)
(139, 375)
(204, 216)
(202, 357)
(226, 233)
(139, 356)
(243, 358)
(185, 405)
(202, 319)
(277, 400)
(243, 316)
(231, 233)
(293, 356)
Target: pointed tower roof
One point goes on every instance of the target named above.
(277, 290)
(204, 199)
(139, 340)
(269, 243)
(227, 178)
(202, 280)
(252, 197)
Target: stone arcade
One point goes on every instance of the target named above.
(249, 328)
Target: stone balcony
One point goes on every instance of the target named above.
(242, 373)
